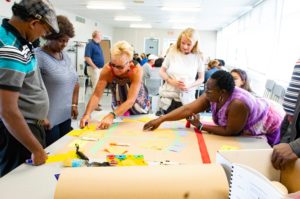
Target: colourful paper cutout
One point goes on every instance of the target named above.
(126, 160)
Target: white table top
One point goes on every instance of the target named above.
(39, 182)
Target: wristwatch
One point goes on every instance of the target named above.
(200, 126)
(113, 113)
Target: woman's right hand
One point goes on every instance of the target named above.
(84, 120)
(152, 125)
(177, 84)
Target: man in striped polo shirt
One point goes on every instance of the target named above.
(23, 97)
(289, 149)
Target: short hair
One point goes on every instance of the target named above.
(192, 35)
(221, 62)
(122, 47)
(213, 63)
(224, 80)
(244, 77)
(95, 33)
(65, 28)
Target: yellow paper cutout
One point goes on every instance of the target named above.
(126, 119)
(228, 147)
(61, 157)
(79, 132)
(145, 119)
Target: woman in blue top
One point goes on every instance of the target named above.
(60, 79)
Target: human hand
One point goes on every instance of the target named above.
(282, 155)
(182, 86)
(84, 120)
(152, 125)
(106, 122)
(194, 119)
(39, 157)
(46, 124)
(74, 112)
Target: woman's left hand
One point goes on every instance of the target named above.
(106, 122)
(74, 113)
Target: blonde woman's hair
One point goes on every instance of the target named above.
(120, 48)
(192, 35)
(213, 64)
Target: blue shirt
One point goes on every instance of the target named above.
(209, 73)
(94, 51)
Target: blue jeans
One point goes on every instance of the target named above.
(58, 131)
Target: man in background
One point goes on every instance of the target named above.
(94, 60)
(24, 100)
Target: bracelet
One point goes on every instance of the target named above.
(113, 113)
(200, 126)
(75, 105)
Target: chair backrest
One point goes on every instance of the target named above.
(153, 86)
(269, 86)
(278, 93)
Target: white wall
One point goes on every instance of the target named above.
(83, 32)
(136, 38)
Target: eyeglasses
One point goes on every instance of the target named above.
(119, 67)
(46, 28)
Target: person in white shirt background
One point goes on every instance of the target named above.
(179, 70)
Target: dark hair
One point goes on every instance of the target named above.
(158, 62)
(244, 78)
(21, 12)
(65, 28)
(221, 62)
(224, 80)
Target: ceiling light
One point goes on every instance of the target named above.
(127, 18)
(105, 5)
(183, 20)
(181, 8)
(140, 26)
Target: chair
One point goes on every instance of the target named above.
(153, 86)
(278, 93)
(269, 88)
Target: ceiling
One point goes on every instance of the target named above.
(213, 14)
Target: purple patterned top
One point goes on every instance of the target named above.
(263, 118)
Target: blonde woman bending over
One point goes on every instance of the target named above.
(129, 95)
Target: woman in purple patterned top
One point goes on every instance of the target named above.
(234, 110)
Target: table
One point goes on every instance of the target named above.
(38, 182)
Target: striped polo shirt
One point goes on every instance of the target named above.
(19, 73)
(291, 95)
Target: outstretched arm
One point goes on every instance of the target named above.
(196, 106)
